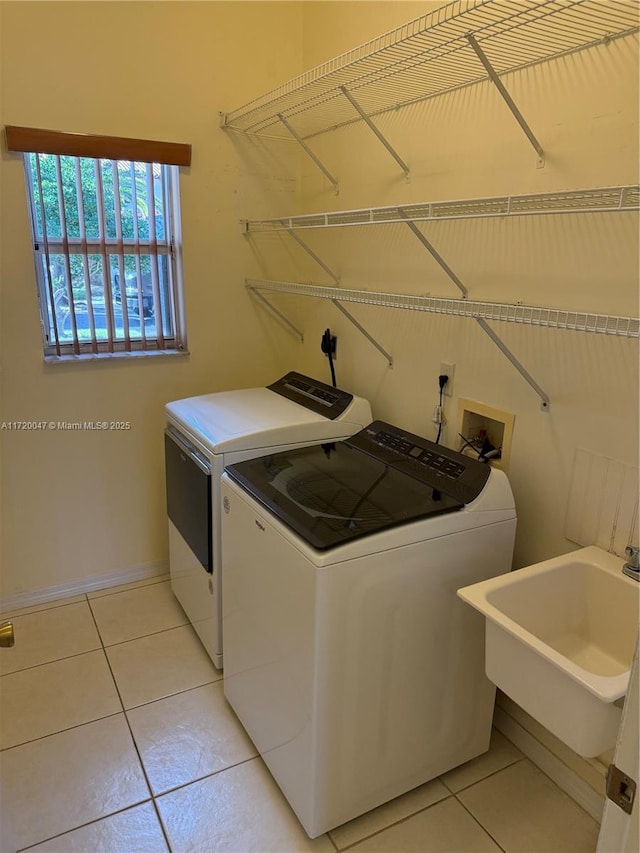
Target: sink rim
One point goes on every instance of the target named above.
(607, 688)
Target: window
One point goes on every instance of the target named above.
(106, 242)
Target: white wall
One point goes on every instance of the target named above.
(584, 109)
(83, 505)
(215, 56)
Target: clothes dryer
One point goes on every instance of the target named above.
(205, 433)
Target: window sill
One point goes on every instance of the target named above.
(68, 358)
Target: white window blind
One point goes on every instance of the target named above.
(106, 241)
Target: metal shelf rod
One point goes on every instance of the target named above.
(296, 331)
(528, 315)
(364, 332)
(504, 349)
(315, 257)
(480, 311)
(596, 200)
(375, 130)
(497, 82)
(307, 150)
(436, 256)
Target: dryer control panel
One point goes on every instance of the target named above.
(447, 470)
(312, 394)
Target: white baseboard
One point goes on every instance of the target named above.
(83, 585)
(550, 764)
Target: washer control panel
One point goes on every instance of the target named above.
(424, 456)
(436, 466)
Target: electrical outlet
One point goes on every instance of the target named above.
(448, 370)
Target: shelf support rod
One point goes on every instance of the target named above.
(364, 332)
(368, 121)
(440, 260)
(278, 314)
(507, 97)
(544, 397)
(312, 254)
(306, 148)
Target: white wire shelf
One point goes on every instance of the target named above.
(600, 200)
(528, 315)
(432, 55)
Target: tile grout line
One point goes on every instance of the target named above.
(65, 600)
(126, 716)
(55, 604)
(153, 797)
(395, 822)
(171, 695)
(82, 826)
(404, 819)
(71, 728)
(143, 636)
(64, 657)
(131, 735)
(207, 776)
(84, 599)
(482, 827)
(60, 731)
(99, 648)
(334, 843)
(483, 778)
(449, 795)
(116, 590)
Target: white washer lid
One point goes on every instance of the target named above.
(254, 418)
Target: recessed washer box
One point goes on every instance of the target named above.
(498, 426)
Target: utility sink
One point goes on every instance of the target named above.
(560, 638)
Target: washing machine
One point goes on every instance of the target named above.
(349, 659)
(205, 433)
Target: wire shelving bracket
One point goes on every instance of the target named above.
(544, 397)
(315, 257)
(307, 150)
(296, 331)
(497, 82)
(364, 332)
(376, 131)
(435, 254)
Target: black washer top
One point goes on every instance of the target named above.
(380, 478)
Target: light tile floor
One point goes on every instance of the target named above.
(116, 736)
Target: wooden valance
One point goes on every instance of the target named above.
(34, 140)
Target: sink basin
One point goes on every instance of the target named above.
(560, 637)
